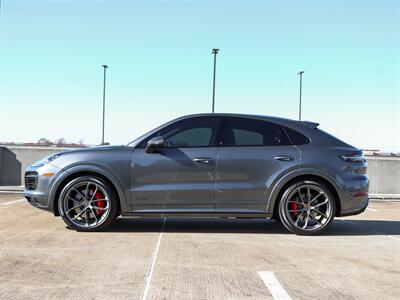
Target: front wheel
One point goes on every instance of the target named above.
(307, 208)
(88, 203)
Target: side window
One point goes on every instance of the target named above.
(296, 137)
(252, 132)
(247, 138)
(188, 133)
(191, 137)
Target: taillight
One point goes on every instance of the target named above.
(353, 157)
(360, 194)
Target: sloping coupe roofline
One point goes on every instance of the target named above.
(264, 117)
(278, 120)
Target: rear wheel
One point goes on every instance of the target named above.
(88, 203)
(307, 208)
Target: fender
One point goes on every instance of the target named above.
(87, 168)
(280, 183)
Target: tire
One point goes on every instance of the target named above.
(307, 207)
(88, 203)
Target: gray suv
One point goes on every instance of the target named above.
(207, 165)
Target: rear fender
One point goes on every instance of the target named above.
(281, 182)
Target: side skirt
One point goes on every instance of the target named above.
(196, 214)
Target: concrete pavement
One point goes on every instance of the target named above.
(358, 258)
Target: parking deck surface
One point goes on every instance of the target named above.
(358, 258)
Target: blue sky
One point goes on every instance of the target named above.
(160, 66)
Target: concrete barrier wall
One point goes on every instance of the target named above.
(384, 172)
(10, 168)
(25, 156)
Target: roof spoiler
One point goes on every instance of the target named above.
(309, 124)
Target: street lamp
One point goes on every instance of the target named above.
(104, 102)
(215, 52)
(301, 86)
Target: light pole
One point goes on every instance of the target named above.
(104, 102)
(301, 86)
(215, 52)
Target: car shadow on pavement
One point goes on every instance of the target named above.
(364, 227)
(210, 225)
(196, 225)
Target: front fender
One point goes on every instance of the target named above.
(90, 169)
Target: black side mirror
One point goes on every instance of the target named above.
(154, 144)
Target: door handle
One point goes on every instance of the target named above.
(284, 157)
(203, 160)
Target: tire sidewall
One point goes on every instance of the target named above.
(282, 207)
(113, 203)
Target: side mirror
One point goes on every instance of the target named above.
(154, 144)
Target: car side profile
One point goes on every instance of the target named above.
(207, 165)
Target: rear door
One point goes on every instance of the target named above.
(253, 154)
(179, 177)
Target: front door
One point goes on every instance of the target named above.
(180, 176)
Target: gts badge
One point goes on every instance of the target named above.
(141, 199)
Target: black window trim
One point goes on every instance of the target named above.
(221, 136)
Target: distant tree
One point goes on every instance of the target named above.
(44, 141)
(61, 141)
(81, 142)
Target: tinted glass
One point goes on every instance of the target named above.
(252, 132)
(296, 137)
(193, 132)
(247, 137)
(191, 137)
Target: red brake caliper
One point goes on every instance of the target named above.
(294, 206)
(101, 204)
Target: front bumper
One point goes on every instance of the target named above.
(38, 182)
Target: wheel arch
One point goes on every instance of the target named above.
(285, 183)
(68, 175)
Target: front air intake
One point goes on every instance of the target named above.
(31, 180)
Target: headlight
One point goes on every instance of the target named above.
(46, 160)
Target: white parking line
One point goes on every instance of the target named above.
(393, 237)
(372, 209)
(7, 203)
(150, 274)
(11, 192)
(274, 286)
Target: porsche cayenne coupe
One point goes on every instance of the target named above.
(207, 165)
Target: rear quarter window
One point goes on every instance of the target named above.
(296, 137)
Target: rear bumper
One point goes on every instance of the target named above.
(354, 196)
(356, 210)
